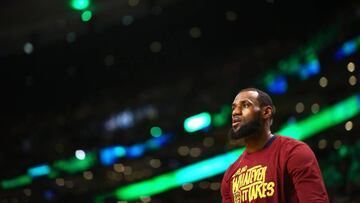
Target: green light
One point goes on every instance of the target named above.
(146, 188)
(323, 120)
(283, 66)
(155, 131)
(220, 119)
(294, 65)
(191, 173)
(197, 122)
(332, 177)
(86, 16)
(101, 198)
(269, 77)
(120, 151)
(357, 39)
(79, 4)
(74, 165)
(311, 57)
(16, 182)
(207, 168)
(343, 151)
(217, 165)
(354, 172)
(53, 174)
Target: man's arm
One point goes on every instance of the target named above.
(225, 190)
(305, 173)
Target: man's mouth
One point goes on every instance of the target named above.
(236, 123)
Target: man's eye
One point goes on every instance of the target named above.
(245, 105)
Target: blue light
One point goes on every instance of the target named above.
(339, 55)
(197, 122)
(347, 49)
(278, 85)
(109, 155)
(49, 195)
(110, 124)
(291, 120)
(135, 151)
(125, 120)
(158, 142)
(119, 151)
(310, 69)
(39, 171)
(314, 67)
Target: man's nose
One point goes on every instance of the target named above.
(236, 111)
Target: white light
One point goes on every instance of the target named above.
(351, 67)
(127, 20)
(109, 60)
(208, 142)
(323, 82)
(27, 192)
(155, 163)
(195, 32)
(348, 125)
(88, 175)
(155, 47)
(119, 168)
(231, 15)
(195, 152)
(187, 186)
(215, 186)
(156, 10)
(80, 154)
(315, 108)
(28, 48)
(133, 2)
(125, 119)
(183, 150)
(352, 80)
(196, 122)
(299, 107)
(71, 37)
(337, 144)
(145, 198)
(60, 181)
(322, 144)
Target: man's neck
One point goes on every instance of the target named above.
(257, 142)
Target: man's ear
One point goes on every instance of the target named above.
(267, 112)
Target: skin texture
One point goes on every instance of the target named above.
(250, 121)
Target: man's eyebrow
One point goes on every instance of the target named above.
(243, 101)
(247, 100)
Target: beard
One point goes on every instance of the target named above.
(248, 129)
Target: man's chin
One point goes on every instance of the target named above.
(235, 134)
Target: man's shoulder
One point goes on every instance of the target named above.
(288, 139)
(289, 142)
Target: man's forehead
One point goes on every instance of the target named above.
(246, 96)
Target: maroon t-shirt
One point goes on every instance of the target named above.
(286, 170)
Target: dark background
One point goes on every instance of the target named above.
(56, 99)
